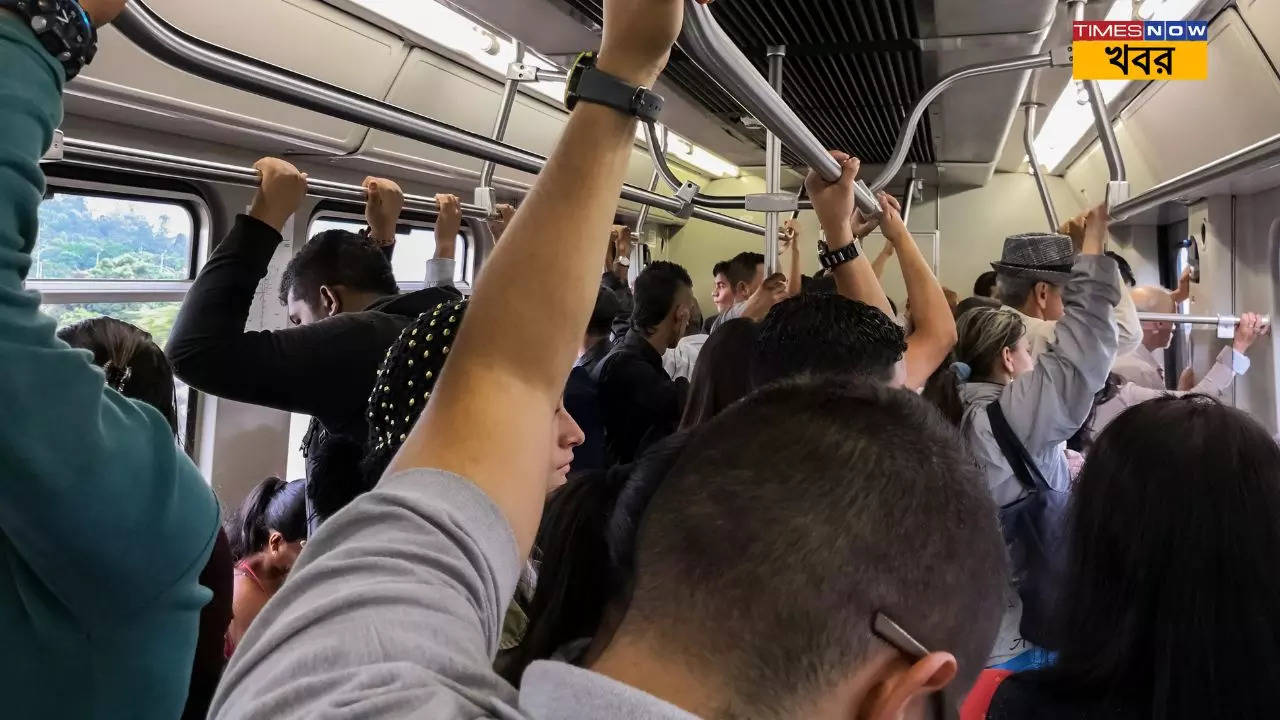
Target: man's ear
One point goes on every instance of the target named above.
(1041, 291)
(330, 301)
(903, 685)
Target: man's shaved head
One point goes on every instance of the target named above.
(1153, 299)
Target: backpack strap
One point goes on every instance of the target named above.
(978, 702)
(1024, 468)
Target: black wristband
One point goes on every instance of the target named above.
(588, 83)
(835, 258)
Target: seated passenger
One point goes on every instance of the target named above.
(640, 402)
(343, 300)
(679, 360)
(1144, 365)
(1043, 401)
(934, 331)
(827, 334)
(1175, 608)
(581, 399)
(105, 523)
(136, 367)
(266, 536)
(723, 373)
(1231, 361)
(1032, 271)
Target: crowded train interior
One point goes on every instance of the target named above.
(869, 359)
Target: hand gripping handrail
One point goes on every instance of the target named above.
(170, 45)
(706, 43)
(84, 152)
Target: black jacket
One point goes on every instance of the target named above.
(325, 369)
(582, 401)
(639, 401)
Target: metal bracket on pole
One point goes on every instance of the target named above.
(772, 202)
(1063, 56)
(1227, 328)
(55, 150)
(687, 192)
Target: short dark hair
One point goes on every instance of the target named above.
(985, 283)
(607, 308)
(134, 364)
(825, 334)
(1013, 290)
(863, 487)
(337, 257)
(722, 375)
(1126, 270)
(272, 505)
(977, 301)
(721, 268)
(655, 293)
(742, 267)
(1173, 533)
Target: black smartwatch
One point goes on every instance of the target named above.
(832, 258)
(588, 83)
(62, 27)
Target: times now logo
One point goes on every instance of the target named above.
(1172, 30)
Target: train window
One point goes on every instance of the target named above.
(414, 246)
(112, 237)
(126, 254)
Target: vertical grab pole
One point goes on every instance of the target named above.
(637, 254)
(1028, 142)
(485, 196)
(773, 164)
(1118, 182)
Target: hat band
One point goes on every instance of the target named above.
(1041, 268)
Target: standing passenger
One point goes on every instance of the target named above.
(1044, 400)
(581, 398)
(105, 523)
(640, 402)
(343, 303)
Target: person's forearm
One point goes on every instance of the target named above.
(521, 352)
(856, 279)
(935, 327)
(793, 269)
(882, 260)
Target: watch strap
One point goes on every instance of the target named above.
(833, 258)
(63, 29)
(602, 88)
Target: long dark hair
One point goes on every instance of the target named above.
(722, 374)
(1174, 535)
(134, 365)
(586, 547)
(272, 505)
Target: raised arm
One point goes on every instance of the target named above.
(102, 512)
(1049, 404)
(531, 303)
(440, 268)
(935, 328)
(833, 202)
(882, 259)
(383, 202)
(789, 247)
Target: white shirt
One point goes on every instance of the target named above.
(1142, 367)
(680, 360)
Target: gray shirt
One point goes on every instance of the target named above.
(394, 610)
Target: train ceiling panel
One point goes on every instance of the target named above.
(853, 70)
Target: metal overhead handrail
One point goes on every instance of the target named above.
(1182, 186)
(95, 154)
(706, 43)
(1118, 178)
(1028, 142)
(160, 39)
(908, 132)
(1197, 319)
(658, 155)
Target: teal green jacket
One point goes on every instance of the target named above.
(105, 523)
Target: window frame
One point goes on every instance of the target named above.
(77, 291)
(464, 256)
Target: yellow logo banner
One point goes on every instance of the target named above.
(1140, 60)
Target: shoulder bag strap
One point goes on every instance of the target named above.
(1024, 468)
